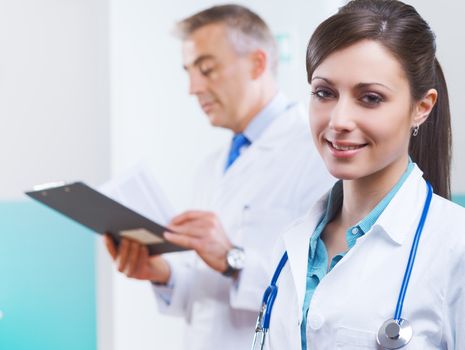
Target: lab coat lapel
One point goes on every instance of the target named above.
(270, 139)
(400, 225)
(397, 225)
(297, 241)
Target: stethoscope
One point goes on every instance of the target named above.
(394, 333)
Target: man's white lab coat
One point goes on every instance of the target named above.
(272, 183)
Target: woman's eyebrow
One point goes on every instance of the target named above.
(358, 86)
(321, 78)
(364, 85)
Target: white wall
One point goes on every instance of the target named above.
(54, 105)
(54, 99)
(155, 120)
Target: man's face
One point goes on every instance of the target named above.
(219, 77)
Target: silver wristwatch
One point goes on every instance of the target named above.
(235, 260)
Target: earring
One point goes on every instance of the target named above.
(415, 130)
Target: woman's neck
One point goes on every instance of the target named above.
(362, 195)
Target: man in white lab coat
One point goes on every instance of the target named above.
(247, 193)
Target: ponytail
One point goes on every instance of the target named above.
(431, 148)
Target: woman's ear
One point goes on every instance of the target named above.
(423, 107)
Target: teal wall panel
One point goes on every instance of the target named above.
(47, 280)
(460, 199)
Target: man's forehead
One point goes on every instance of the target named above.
(207, 42)
(193, 55)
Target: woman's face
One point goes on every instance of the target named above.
(361, 112)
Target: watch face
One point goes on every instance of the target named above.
(236, 258)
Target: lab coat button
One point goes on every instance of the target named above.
(316, 321)
(354, 230)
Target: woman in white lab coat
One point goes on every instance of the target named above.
(379, 115)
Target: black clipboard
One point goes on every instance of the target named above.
(102, 214)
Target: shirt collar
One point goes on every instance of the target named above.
(366, 224)
(401, 216)
(334, 205)
(266, 116)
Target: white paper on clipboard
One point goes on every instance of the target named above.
(138, 190)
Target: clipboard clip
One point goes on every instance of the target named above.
(48, 185)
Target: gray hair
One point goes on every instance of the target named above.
(246, 30)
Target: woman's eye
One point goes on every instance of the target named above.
(322, 94)
(372, 99)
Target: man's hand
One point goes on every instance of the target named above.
(201, 231)
(132, 259)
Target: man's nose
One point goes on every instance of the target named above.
(197, 83)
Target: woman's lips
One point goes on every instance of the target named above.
(344, 149)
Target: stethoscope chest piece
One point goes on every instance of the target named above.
(394, 334)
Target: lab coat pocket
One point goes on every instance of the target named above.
(259, 232)
(354, 339)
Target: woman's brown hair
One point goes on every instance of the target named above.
(400, 29)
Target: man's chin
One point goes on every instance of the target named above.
(215, 120)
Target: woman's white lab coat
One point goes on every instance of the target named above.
(361, 292)
(274, 182)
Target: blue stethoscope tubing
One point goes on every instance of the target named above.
(413, 254)
(263, 320)
(269, 297)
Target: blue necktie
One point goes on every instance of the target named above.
(238, 141)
